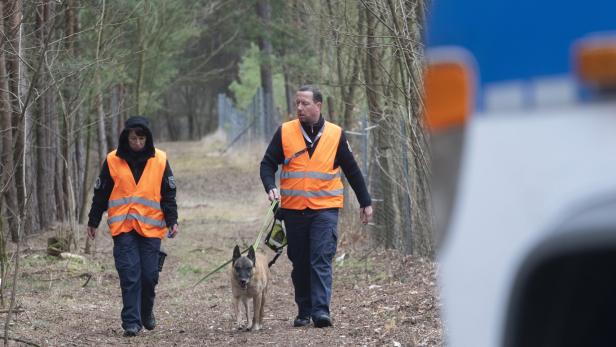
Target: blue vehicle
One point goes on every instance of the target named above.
(528, 231)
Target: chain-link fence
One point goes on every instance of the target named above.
(244, 127)
(359, 140)
(398, 175)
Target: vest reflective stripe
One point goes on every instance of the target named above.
(142, 201)
(134, 216)
(338, 192)
(309, 174)
(136, 205)
(310, 181)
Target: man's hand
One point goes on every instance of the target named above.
(273, 194)
(365, 214)
(91, 232)
(173, 230)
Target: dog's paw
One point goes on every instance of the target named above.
(255, 327)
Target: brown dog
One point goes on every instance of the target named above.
(250, 278)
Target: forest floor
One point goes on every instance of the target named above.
(380, 297)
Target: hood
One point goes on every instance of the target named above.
(124, 150)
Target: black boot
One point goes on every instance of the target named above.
(149, 322)
(130, 332)
(322, 321)
(301, 321)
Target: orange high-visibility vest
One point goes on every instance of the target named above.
(136, 206)
(310, 182)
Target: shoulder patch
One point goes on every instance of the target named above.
(171, 181)
(97, 183)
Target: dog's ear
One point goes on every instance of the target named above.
(251, 255)
(236, 253)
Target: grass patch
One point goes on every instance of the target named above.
(189, 270)
(353, 269)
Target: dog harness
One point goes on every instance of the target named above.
(136, 206)
(310, 181)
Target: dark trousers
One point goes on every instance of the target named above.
(312, 240)
(136, 259)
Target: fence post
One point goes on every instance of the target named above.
(221, 111)
(407, 218)
(261, 114)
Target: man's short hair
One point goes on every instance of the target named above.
(316, 93)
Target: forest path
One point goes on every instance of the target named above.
(380, 297)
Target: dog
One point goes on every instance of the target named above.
(250, 278)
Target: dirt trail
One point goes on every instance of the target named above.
(380, 298)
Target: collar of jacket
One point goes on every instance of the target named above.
(313, 129)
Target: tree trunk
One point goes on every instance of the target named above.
(72, 94)
(21, 118)
(193, 123)
(32, 222)
(98, 100)
(59, 173)
(79, 161)
(387, 216)
(207, 123)
(289, 94)
(338, 52)
(67, 158)
(424, 241)
(331, 112)
(114, 119)
(171, 127)
(353, 79)
(141, 64)
(264, 12)
(100, 113)
(6, 157)
(86, 186)
(12, 27)
(44, 134)
(122, 110)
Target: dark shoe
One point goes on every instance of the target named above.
(301, 321)
(322, 321)
(150, 322)
(130, 332)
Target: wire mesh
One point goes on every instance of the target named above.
(245, 127)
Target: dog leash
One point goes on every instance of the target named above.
(266, 222)
(278, 253)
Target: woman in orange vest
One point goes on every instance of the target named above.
(137, 189)
(312, 153)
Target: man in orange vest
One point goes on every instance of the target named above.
(137, 189)
(312, 151)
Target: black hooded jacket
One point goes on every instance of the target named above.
(136, 161)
